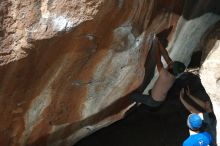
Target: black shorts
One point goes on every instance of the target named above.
(145, 99)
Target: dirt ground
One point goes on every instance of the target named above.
(163, 127)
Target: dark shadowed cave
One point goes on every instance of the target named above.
(142, 128)
(165, 126)
(67, 68)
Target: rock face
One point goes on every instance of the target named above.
(210, 70)
(67, 66)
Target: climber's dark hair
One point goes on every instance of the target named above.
(178, 67)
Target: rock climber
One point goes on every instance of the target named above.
(166, 77)
(197, 137)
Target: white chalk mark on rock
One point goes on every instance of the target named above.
(44, 9)
(61, 23)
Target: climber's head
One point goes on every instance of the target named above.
(176, 68)
(194, 122)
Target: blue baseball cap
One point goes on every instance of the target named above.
(194, 121)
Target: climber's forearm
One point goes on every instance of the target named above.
(164, 53)
(158, 57)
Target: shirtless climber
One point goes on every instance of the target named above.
(165, 80)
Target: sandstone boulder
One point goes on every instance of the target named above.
(209, 72)
(67, 66)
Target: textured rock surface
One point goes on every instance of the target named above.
(210, 70)
(66, 66)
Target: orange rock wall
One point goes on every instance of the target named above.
(67, 66)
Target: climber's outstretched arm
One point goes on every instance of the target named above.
(158, 55)
(206, 105)
(164, 53)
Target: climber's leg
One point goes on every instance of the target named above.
(145, 99)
